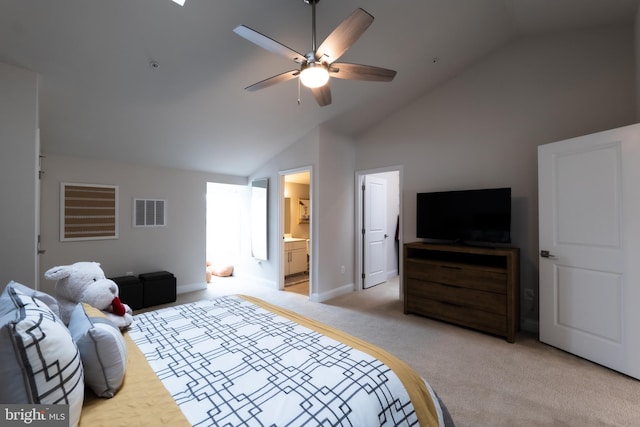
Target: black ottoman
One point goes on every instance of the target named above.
(131, 292)
(159, 288)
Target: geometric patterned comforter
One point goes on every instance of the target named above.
(232, 362)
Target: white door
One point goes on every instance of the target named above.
(375, 231)
(589, 225)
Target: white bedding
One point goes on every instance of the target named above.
(229, 362)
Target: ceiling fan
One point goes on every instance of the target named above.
(319, 64)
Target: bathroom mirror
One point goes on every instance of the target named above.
(259, 192)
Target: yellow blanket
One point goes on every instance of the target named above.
(141, 401)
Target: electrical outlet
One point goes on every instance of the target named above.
(129, 273)
(342, 269)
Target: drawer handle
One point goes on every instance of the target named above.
(450, 267)
(451, 304)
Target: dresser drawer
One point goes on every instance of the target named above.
(470, 286)
(470, 277)
(460, 315)
(485, 301)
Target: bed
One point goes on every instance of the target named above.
(237, 360)
(228, 361)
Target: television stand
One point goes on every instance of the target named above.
(470, 286)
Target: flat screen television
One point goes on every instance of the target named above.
(466, 216)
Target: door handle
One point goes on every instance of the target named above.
(547, 254)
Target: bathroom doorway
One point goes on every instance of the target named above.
(296, 225)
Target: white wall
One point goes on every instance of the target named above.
(482, 128)
(18, 175)
(335, 237)
(304, 153)
(332, 212)
(179, 247)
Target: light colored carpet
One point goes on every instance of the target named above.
(483, 380)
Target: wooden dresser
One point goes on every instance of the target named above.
(471, 286)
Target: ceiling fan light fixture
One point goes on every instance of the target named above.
(320, 62)
(314, 75)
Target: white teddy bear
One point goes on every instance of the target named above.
(86, 282)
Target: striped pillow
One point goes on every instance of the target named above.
(40, 362)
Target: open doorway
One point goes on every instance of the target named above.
(225, 203)
(295, 251)
(378, 226)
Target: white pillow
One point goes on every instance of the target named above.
(40, 362)
(102, 349)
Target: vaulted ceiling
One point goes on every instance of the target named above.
(101, 96)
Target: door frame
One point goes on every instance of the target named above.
(38, 224)
(281, 188)
(359, 223)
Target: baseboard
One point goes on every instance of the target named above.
(258, 280)
(183, 289)
(333, 293)
(530, 325)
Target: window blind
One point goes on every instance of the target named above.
(89, 212)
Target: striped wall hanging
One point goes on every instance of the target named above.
(88, 212)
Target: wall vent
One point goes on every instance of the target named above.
(149, 213)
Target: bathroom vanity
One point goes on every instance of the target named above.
(295, 255)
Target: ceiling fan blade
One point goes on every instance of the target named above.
(343, 70)
(279, 78)
(268, 43)
(322, 95)
(344, 36)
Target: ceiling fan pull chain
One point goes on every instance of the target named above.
(299, 101)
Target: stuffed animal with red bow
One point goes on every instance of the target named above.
(86, 282)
